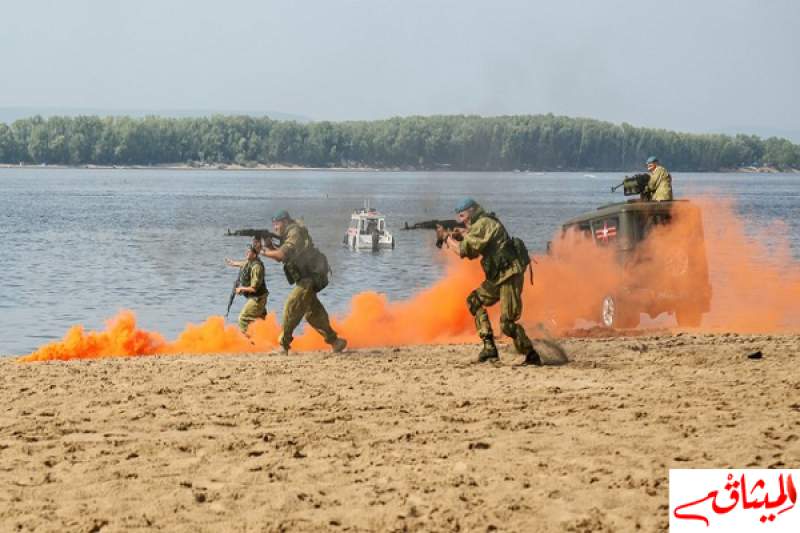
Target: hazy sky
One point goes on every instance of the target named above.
(686, 65)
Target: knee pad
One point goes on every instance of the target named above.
(474, 303)
(508, 328)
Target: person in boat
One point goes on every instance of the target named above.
(485, 237)
(252, 285)
(307, 269)
(659, 188)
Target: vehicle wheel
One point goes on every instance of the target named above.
(688, 318)
(613, 314)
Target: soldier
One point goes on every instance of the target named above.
(504, 268)
(660, 185)
(252, 284)
(307, 269)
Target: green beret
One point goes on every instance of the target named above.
(652, 159)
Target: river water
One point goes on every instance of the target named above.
(78, 245)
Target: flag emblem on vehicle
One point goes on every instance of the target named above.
(605, 233)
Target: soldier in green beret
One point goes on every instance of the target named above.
(504, 262)
(660, 185)
(252, 285)
(307, 269)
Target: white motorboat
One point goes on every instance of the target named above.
(368, 231)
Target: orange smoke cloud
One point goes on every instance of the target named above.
(569, 284)
(755, 277)
(122, 338)
(437, 314)
(756, 288)
(750, 280)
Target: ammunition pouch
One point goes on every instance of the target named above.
(292, 273)
(521, 252)
(511, 251)
(496, 262)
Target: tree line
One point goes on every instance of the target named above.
(526, 142)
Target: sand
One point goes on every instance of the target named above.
(415, 438)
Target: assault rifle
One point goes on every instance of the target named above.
(270, 240)
(233, 292)
(636, 184)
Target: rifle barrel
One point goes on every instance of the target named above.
(249, 232)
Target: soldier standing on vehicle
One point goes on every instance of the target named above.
(252, 284)
(660, 185)
(504, 267)
(307, 269)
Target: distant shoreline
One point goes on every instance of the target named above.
(277, 167)
(529, 143)
(184, 166)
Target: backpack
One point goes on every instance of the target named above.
(310, 263)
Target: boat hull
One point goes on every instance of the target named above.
(366, 242)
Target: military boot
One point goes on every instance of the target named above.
(489, 351)
(532, 358)
(339, 345)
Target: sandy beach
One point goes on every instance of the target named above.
(413, 438)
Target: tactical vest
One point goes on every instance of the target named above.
(244, 279)
(502, 252)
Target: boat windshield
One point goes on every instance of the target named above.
(369, 226)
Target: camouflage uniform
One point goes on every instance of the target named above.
(660, 185)
(307, 269)
(252, 275)
(505, 275)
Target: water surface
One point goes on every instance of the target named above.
(79, 245)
